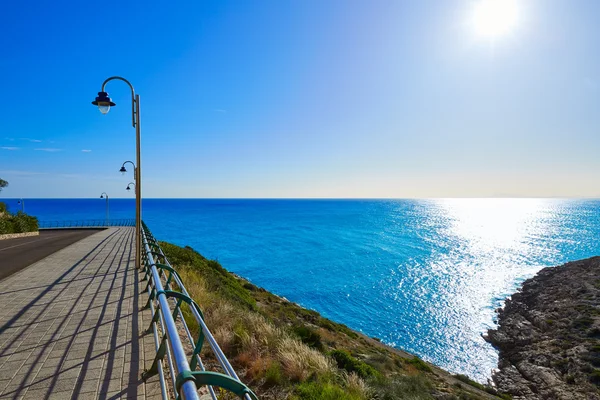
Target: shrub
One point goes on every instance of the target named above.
(309, 336)
(335, 327)
(594, 377)
(467, 380)
(18, 223)
(345, 361)
(594, 333)
(592, 358)
(416, 387)
(217, 278)
(582, 323)
(324, 391)
(274, 374)
(419, 364)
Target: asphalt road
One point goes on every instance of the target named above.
(16, 254)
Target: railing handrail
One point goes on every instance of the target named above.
(87, 223)
(184, 375)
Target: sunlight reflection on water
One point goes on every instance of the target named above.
(482, 248)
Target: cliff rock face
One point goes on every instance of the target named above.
(549, 335)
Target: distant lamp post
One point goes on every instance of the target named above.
(102, 196)
(128, 185)
(104, 104)
(21, 202)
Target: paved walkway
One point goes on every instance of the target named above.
(71, 325)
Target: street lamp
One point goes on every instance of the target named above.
(102, 196)
(129, 184)
(22, 203)
(123, 170)
(104, 104)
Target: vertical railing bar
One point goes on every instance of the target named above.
(161, 373)
(200, 363)
(169, 357)
(164, 330)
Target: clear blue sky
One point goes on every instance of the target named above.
(305, 98)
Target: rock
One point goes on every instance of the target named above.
(548, 335)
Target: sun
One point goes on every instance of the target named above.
(494, 18)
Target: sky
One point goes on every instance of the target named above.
(312, 98)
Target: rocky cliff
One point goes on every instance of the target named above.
(549, 335)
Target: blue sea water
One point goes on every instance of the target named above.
(422, 275)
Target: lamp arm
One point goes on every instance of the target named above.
(134, 168)
(133, 122)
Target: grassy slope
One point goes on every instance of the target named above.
(283, 351)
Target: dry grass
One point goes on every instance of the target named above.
(356, 385)
(300, 361)
(251, 341)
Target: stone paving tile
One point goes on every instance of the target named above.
(71, 325)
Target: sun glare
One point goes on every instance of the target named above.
(494, 18)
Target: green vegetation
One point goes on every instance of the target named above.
(595, 377)
(3, 184)
(345, 361)
(582, 323)
(419, 364)
(283, 351)
(16, 223)
(488, 389)
(414, 387)
(217, 278)
(309, 336)
(326, 390)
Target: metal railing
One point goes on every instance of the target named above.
(166, 304)
(88, 223)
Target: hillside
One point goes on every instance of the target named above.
(284, 351)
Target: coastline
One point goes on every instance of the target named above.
(548, 335)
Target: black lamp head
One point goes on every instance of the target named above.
(123, 169)
(101, 196)
(103, 102)
(128, 188)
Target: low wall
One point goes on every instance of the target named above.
(18, 235)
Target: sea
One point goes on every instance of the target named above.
(426, 276)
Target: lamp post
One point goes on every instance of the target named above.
(102, 196)
(129, 184)
(123, 169)
(104, 104)
(22, 203)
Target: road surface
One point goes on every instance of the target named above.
(16, 254)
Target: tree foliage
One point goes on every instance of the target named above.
(17, 223)
(3, 184)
